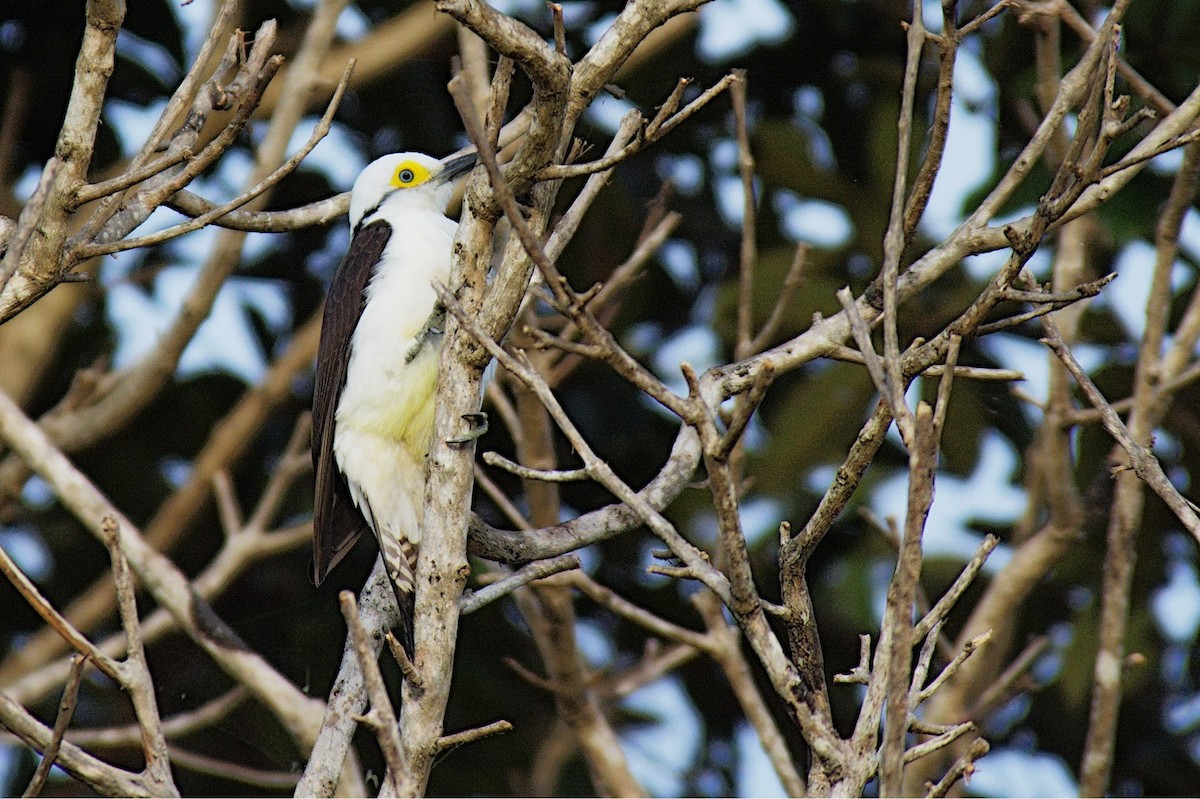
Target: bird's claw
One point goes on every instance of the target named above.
(479, 425)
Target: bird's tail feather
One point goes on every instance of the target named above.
(400, 560)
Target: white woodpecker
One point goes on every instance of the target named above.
(376, 375)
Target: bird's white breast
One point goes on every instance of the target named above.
(387, 395)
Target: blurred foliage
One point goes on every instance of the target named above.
(823, 105)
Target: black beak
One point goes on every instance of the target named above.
(453, 167)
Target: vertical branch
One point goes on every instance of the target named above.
(795, 550)
(473, 52)
(893, 242)
(551, 616)
(31, 267)
(728, 654)
(348, 698)
(896, 639)
(1129, 497)
(382, 718)
(135, 673)
(748, 255)
(932, 163)
(442, 567)
(1047, 53)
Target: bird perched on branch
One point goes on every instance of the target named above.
(377, 364)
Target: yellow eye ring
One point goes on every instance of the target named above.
(409, 174)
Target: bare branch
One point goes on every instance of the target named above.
(526, 473)
(962, 769)
(967, 650)
(54, 619)
(160, 577)
(860, 674)
(609, 599)
(1141, 459)
(66, 709)
(787, 291)
(382, 718)
(938, 613)
(650, 134)
(348, 697)
(447, 742)
(537, 570)
(262, 186)
(945, 739)
(174, 727)
(135, 673)
(89, 769)
(31, 269)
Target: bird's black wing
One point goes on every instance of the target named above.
(337, 522)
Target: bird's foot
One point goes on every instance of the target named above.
(434, 327)
(479, 425)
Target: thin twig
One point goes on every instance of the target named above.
(94, 191)
(175, 727)
(226, 770)
(1013, 680)
(467, 736)
(280, 172)
(745, 409)
(860, 674)
(893, 247)
(1141, 458)
(475, 600)
(293, 462)
(924, 661)
(787, 291)
(748, 253)
(962, 769)
(942, 405)
(56, 620)
(945, 739)
(560, 33)
(227, 505)
(862, 337)
(526, 473)
(652, 134)
(942, 607)
(506, 505)
(402, 660)
(607, 598)
(66, 709)
(931, 164)
(953, 666)
(970, 27)
(136, 678)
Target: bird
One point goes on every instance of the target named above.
(377, 363)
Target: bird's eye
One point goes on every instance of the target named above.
(407, 174)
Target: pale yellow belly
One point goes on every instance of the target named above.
(397, 406)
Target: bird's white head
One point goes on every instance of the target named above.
(405, 180)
